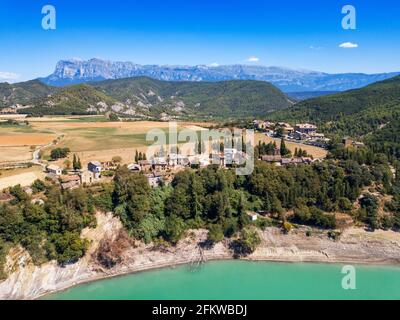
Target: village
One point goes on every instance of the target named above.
(160, 169)
(303, 133)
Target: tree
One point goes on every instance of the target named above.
(131, 194)
(279, 132)
(215, 233)
(284, 150)
(287, 227)
(67, 164)
(117, 159)
(136, 156)
(370, 204)
(38, 186)
(59, 153)
(247, 243)
(174, 229)
(67, 248)
(79, 164)
(10, 223)
(113, 117)
(76, 163)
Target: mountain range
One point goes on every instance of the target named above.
(144, 97)
(68, 72)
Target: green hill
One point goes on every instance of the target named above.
(371, 114)
(215, 99)
(23, 93)
(145, 97)
(78, 99)
(356, 112)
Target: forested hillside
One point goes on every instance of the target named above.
(145, 97)
(371, 114)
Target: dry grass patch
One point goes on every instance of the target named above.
(314, 151)
(25, 140)
(15, 154)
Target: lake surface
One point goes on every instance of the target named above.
(243, 280)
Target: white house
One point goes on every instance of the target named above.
(252, 215)
(53, 169)
(96, 168)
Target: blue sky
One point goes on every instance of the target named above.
(299, 34)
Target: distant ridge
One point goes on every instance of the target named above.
(299, 96)
(144, 98)
(76, 71)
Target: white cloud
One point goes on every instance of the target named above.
(214, 64)
(8, 76)
(348, 45)
(253, 59)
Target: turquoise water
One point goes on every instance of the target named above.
(243, 280)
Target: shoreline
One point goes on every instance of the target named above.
(217, 259)
(355, 247)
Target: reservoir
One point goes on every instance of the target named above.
(243, 280)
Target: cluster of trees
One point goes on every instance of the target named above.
(211, 198)
(113, 117)
(219, 200)
(392, 221)
(140, 156)
(76, 163)
(59, 153)
(300, 153)
(378, 163)
(271, 148)
(285, 152)
(265, 149)
(50, 231)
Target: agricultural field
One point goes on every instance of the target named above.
(18, 142)
(24, 177)
(91, 138)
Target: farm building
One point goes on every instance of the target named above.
(145, 165)
(53, 169)
(306, 128)
(70, 182)
(154, 179)
(96, 168)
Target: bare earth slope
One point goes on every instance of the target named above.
(355, 246)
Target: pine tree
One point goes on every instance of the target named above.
(79, 164)
(244, 149)
(75, 163)
(284, 150)
(136, 156)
